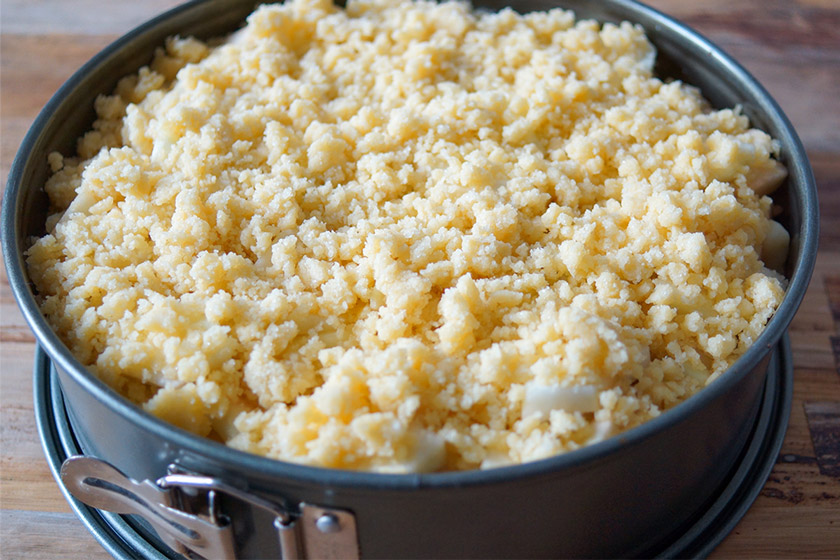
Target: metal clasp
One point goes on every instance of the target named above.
(183, 509)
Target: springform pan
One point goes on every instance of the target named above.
(621, 497)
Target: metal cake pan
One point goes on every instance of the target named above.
(618, 498)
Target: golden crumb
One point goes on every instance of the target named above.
(408, 236)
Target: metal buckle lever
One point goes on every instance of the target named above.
(102, 486)
(168, 505)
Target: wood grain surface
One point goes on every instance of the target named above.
(793, 48)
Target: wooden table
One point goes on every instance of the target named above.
(793, 48)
